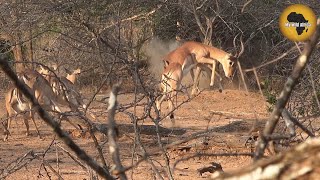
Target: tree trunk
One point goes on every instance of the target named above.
(16, 49)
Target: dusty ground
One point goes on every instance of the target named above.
(229, 116)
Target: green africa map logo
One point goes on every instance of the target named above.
(297, 22)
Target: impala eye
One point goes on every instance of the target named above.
(231, 63)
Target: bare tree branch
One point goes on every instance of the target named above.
(18, 164)
(286, 92)
(112, 132)
(245, 5)
(286, 114)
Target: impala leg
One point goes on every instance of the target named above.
(9, 120)
(195, 88)
(209, 72)
(212, 74)
(6, 128)
(34, 122)
(171, 106)
(213, 62)
(192, 75)
(220, 79)
(26, 122)
(160, 100)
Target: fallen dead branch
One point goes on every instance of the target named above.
(210, 155)
(18, 163)
(301, 162)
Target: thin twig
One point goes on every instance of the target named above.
(245, 5)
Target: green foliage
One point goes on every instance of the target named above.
(271, 97)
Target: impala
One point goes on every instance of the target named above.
(48, 96)
(171, 81)
(71, 76)
(65, 88)
(190, 54)
(42, 89)
(204, 55)
(17, 104)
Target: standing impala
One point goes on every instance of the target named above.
(65, 88)
(16, 103)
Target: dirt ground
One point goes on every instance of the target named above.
(226, 118)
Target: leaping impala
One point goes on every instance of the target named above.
(204, 54)
(178, 65)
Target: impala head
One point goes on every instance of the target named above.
(43, 71)
(75, 72)
(71, 75)
(229, 65)
(229, 62)
(47, 73)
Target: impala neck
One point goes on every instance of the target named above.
(71, 78)
(216, 53)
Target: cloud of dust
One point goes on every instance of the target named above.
(156, 49)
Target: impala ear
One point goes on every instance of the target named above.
(165, 63)
(25, 78)
(232, 58)
(54, 67)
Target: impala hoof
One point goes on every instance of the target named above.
(195, 92)
(40, 138)
(220, 90)
(5, 139)
(171, 116)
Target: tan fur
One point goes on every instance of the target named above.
(42, 89)
(65, 89)
(171, 81)
(183, 59)
(16, 104)
(204, 54)
(72, 76)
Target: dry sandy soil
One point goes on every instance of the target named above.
(229, 116)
